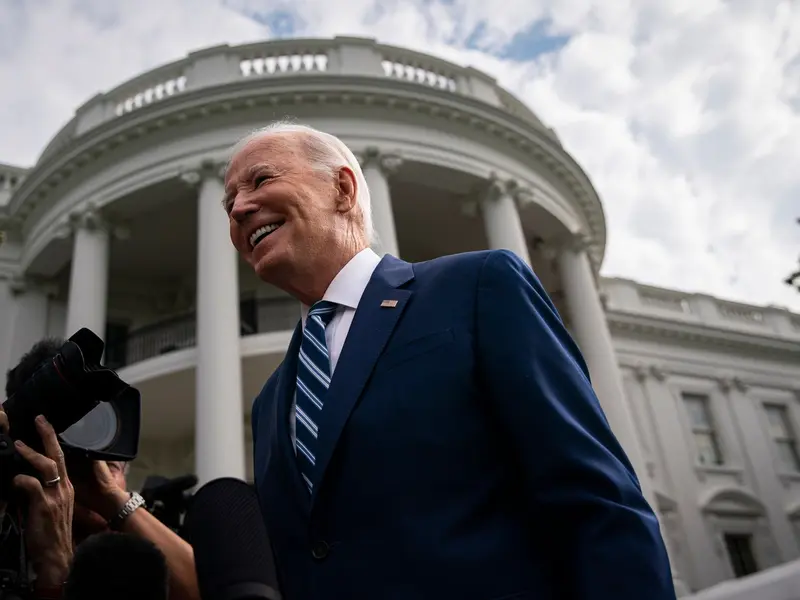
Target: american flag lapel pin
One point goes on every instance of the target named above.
(389, 304)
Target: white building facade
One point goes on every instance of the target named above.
(118, 227)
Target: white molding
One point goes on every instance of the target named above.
(660, 328)
(520, 136)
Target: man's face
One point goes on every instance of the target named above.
(283, 215)
(117, 469)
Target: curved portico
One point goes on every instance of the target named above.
(121, 212)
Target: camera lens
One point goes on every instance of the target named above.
(95, 431)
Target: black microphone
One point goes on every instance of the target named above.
(232, 552)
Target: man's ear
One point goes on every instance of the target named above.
(346, 186)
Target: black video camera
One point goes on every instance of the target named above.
(168, 499)
(95, 414)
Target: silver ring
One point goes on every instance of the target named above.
(52, 482)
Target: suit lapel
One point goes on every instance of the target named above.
(285, 391)
(374, 322)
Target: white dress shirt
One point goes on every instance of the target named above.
(345, 290)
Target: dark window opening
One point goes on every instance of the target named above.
(740, 552)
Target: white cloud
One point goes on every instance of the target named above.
(684, 113)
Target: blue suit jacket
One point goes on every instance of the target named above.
(462, 453)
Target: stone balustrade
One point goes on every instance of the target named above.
(629, 297)
(339, 56)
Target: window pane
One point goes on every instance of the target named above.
(778, 421)
(708, 452)
(697, 407)
(787, 453)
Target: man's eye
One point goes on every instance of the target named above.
(259, 180)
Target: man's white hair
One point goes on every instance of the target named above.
(326, 153)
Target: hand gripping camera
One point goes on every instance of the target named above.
(95, 414)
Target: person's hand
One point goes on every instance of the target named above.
(48, 533)
(98, 492)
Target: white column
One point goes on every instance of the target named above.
(501, 219)
(219, 420)
(590, 328)
(377, 167)
(88, 279)
(23, 318)
(593, 337)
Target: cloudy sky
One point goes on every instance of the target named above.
(685, 113)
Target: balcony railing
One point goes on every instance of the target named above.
(179, 332)
(628, 296)
(275, 59)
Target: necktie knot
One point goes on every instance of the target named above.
(324, 310)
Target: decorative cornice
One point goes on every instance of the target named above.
(522, 136)
(662, 328)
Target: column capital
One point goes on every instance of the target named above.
(495, 187)
(387, 162)
(22, 284)
(522, 195)
(658, 373)
(194, 176)
(486, 192)
(643, 372)
(90, 217)
(576, 242)
(640, 372)
(731, 383)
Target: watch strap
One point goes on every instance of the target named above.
(134, 502)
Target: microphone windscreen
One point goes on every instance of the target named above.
(232, 551)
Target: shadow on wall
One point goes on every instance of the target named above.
(777, 583)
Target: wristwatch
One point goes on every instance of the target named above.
(134, 502)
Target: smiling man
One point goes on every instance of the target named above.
(432, 431)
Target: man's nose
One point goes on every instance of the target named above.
(242, 209)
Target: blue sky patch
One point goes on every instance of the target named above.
(535, 41)
(282, 23)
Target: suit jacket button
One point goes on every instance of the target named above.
(320, 549)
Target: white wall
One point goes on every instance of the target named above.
(741, 360)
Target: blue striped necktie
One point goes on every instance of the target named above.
(313, 380)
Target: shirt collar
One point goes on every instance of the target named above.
(349, 284)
